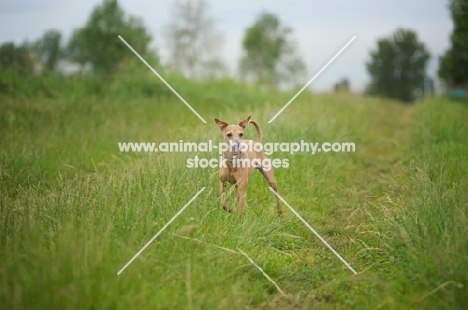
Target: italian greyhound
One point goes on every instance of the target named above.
(241, 158)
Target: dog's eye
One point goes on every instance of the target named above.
(229, 135)
(241, 134)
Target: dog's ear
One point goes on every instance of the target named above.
(221, 124)
(244, 122)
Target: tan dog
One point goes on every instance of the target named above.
(238, 170)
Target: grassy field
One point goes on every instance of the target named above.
(74, 210)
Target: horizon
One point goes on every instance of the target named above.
(27, 20)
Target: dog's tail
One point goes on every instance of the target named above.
(259, 131)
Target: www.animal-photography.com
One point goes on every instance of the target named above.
(201, 154)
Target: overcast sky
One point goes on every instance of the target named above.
(320, 27)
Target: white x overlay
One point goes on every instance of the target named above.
(162, 229)
(311, 80)
(272, 119)
(162, 79)
(313, 230)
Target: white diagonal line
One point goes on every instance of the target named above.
(164, 81)
(313, 230)
(210, 244)
(162, 229)
(311, 80)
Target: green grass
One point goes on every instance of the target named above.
(74, 210)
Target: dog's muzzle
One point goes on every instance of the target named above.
(235, 148)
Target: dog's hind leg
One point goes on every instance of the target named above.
(270, 177)
(222, 189)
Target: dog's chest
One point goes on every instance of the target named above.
(226, 175)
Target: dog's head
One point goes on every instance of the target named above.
(233, 134)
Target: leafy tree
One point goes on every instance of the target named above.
(193, 41)
(270, 53)
(17, 58)
(97, 43)
(453, 66)
(49, 48)
(16, 63)
(397, 68)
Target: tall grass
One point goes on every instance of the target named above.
(74, 210)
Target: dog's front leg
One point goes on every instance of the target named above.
(222, 189)
(241, 195)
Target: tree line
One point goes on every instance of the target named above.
(397, 67)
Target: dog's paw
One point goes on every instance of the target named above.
(228, 209)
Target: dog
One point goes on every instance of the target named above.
(235, 171)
